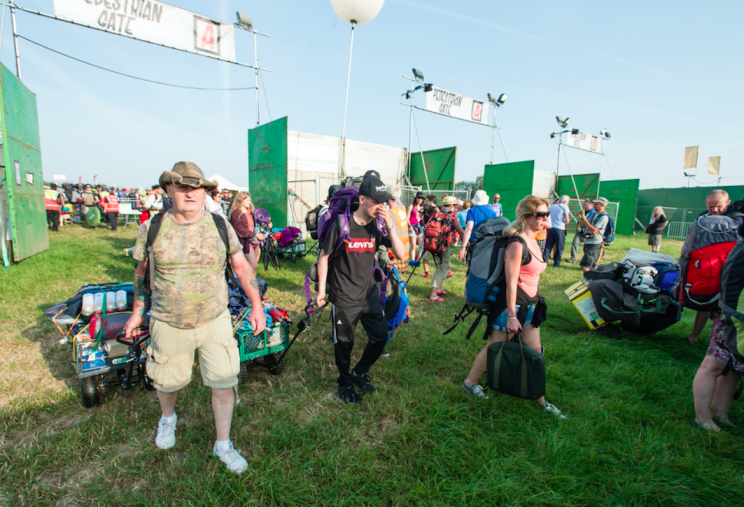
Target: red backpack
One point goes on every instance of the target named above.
(438, 233)
(708, 244)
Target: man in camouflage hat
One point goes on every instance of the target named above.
(188, 303)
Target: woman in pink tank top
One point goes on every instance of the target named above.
(532, 217)
(414, 226)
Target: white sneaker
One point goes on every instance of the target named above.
(231, 458)
(166, 433)
(552, 409)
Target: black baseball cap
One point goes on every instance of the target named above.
(374, 188)
(371, 174)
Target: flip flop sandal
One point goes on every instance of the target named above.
(697, 425)
(437, 300)
(441, 293)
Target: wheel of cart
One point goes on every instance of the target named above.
(124, 356)
(295, 250)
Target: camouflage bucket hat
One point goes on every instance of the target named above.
(186, 173)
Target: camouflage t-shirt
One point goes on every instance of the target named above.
(189, 287)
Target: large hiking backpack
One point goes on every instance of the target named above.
(438, 233)
(732, 301)
(486, 281)
(312, 219)
(343, 203)
(704, 253)
(396, 304)
(486, 263)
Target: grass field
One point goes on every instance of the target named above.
(420, 441)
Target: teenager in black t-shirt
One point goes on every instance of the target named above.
(353, 290)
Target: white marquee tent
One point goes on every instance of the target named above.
(225, 184)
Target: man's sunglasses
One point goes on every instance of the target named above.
(541, 214)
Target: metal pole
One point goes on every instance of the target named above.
(15, 43)
(558, 165)
(410, 133)
(346, 103)
(255, 63)
(493, 132)
(421, 150)
(502, 141)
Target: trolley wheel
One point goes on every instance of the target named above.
(276, 368)
(243, 374)
(90, 391)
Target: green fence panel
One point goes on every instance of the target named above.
(267, 165)
(512, 181)
(24, 179)
(624, 192)
(588, 186)
(440, 168)
(680, 204)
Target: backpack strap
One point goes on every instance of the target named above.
(460, 317)
(219, 221)
(152, 233)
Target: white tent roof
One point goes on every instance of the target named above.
(224, 183)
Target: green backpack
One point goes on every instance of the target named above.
(732, 301)
(515, 369)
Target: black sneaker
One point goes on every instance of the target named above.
(362, 382)
(348, 394)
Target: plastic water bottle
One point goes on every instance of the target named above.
(121, 300)
(110, 302)
(98, 302)
(88, 304)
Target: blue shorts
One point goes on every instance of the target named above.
(500, 322)
(418, 230)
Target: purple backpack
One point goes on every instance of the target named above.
(342, 205)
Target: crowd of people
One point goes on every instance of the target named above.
(76, 200)
(187, 302)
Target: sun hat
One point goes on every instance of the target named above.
(480, 198)
(186, 173)
(449, 200)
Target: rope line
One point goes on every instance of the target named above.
(130, 76)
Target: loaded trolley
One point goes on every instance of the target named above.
(93, 327)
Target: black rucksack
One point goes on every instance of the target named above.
(642, 314)
(312, 219)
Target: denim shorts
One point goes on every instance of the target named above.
(500, 322)
(418, 230)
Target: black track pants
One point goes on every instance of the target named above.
(345, 321)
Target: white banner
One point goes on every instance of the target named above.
(583, 141)
(154, 22)
(458, 106)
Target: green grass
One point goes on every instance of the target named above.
(419, 441)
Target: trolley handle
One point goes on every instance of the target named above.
(134, 341)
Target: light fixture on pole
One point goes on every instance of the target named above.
(245, 22)
(354, 12)
(497, 102)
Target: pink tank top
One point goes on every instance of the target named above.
(414, 216)
(529, 274)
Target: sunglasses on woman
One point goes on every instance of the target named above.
(541, 214)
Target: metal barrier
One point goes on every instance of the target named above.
(678, 229)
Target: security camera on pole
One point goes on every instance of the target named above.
(354, 12)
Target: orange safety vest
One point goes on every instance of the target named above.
(111, 204)
(400, 221)
(51, 200)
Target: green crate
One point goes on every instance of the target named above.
(258, 347)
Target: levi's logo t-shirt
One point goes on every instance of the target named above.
(350, 271)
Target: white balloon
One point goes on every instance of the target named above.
(359, 11)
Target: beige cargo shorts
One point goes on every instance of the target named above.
(171, 354)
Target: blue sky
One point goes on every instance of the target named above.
(658, 75)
